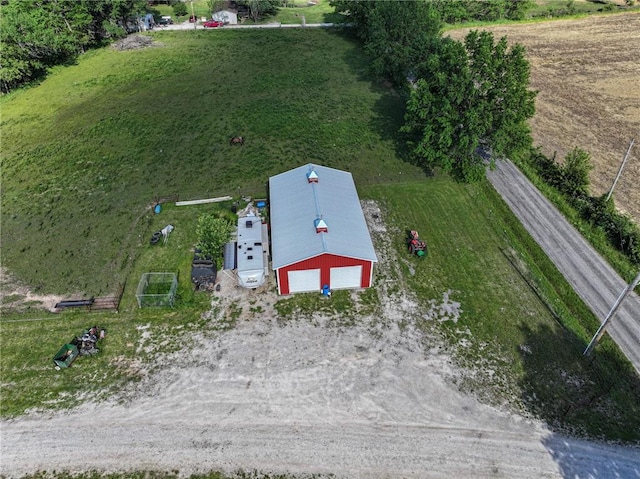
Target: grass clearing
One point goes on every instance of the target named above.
(319, 12)
(120, 129)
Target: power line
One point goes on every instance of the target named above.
(612, 312)
(620, 170)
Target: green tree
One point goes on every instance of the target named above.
(501, 81)
(575, 172)
(215, 5)
(179, 9)
(260, 8)
(356, 13)
(456, 11)
(396, 35)
(452, 11)
(213, 233)
(399, 34)
(468, 94)
(442, 116)
(37, 34)
(517, 9)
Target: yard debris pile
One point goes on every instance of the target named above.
(203, 271)
(83, 345)
(87, 342)
(134, 42)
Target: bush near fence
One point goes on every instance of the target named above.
(620, 230)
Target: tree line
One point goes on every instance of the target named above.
(571, 179)
(459, 11)
(38, 34)
(468, 101)
(463, 98)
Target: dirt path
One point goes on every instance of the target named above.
(18, 297)
(371, 400)
(590, 276)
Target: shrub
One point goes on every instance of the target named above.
(213, 232)
(621, 231)
(572, 180)
(575, 172)
(547, 168)
(179, 9)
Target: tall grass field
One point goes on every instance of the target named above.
(88, 153)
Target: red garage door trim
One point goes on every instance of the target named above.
(325, 262)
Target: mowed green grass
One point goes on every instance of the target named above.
(321, 12)
(86, 153)
(522, 330)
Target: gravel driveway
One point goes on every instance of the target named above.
(586, 271)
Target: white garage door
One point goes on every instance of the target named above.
(305, 280)
(346, 277)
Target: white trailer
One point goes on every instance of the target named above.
(251, 251)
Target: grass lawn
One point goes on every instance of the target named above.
(119, 130)
(321, 12)
(522, 329)
(289, 13)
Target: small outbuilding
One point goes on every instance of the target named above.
(319, 236)
(226, 16)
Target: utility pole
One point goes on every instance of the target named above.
(620, 170)
(600, 331)
(195, 20)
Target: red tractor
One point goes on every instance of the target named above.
(415, 244)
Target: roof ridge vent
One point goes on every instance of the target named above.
(312, 176)
(321, 225)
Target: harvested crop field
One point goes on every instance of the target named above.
(587, 73)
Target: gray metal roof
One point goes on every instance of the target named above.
(295, 205)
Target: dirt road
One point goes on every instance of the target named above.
(590, 276)
(376, 399)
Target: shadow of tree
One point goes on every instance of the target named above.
(389, 109)
(586, 459)
(598, 396)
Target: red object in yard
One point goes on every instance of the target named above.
(415, 244)
(212, 24)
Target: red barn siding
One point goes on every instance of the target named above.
(324, 262)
